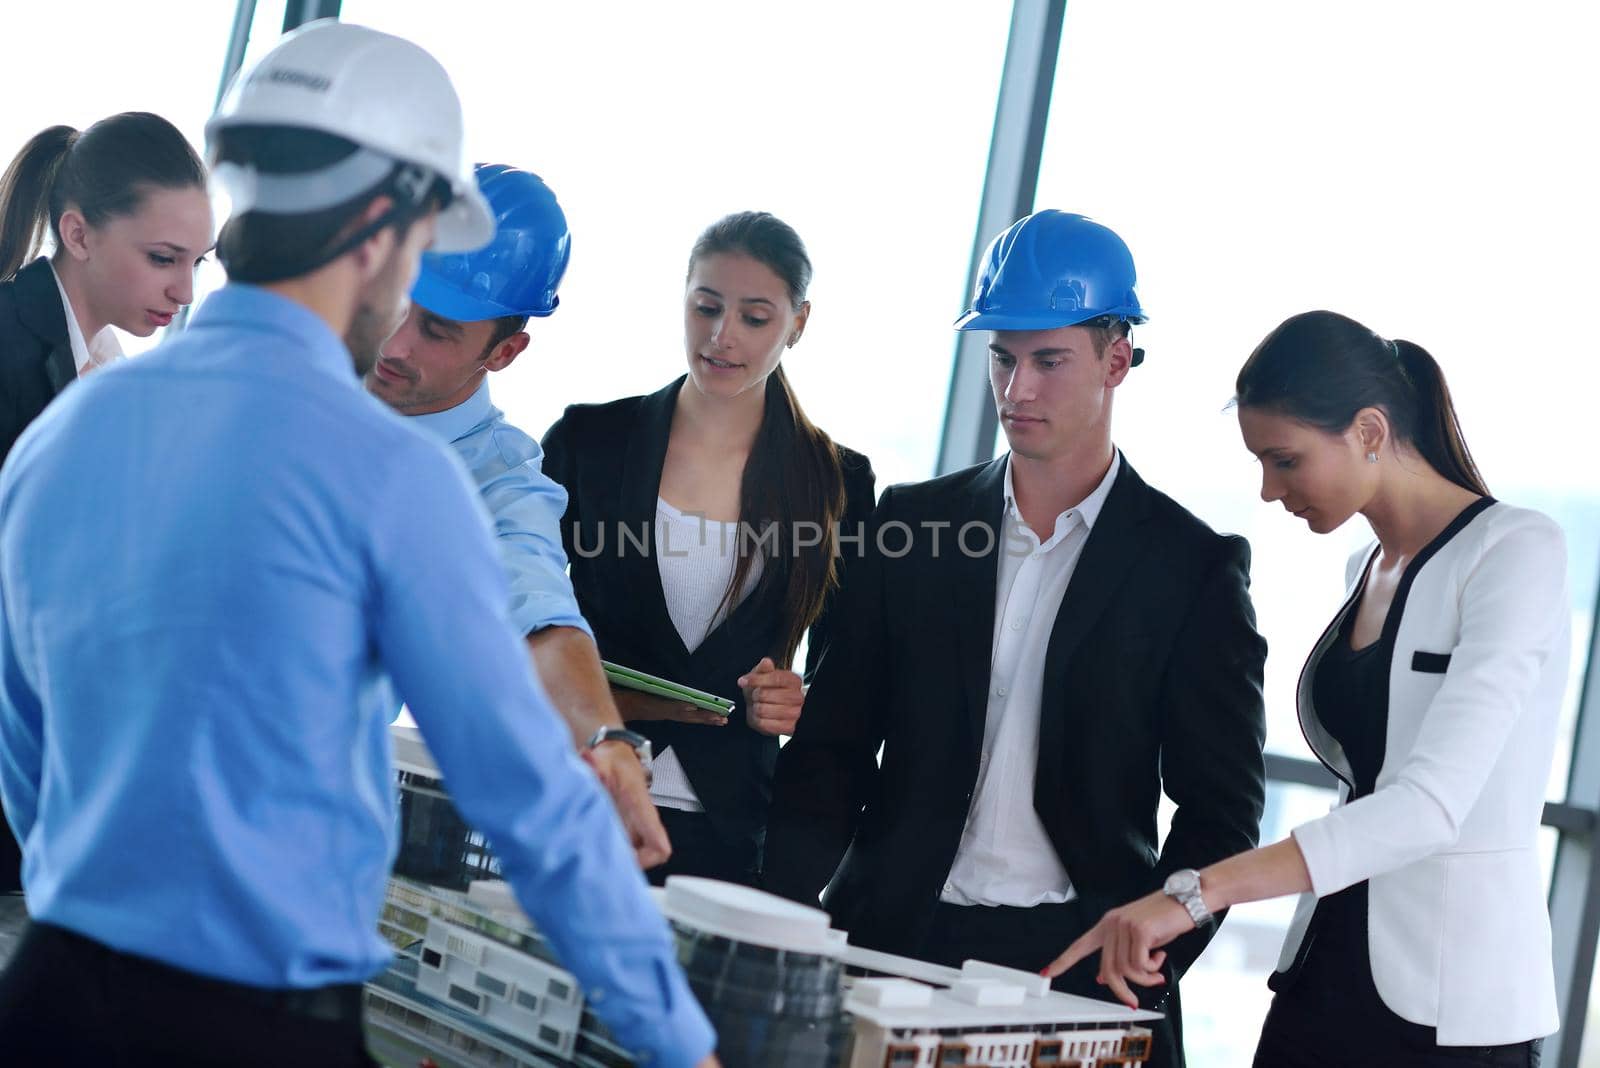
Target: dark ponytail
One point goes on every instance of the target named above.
(794, 474)
(25, 196)
(104, 172)
(1322, 368)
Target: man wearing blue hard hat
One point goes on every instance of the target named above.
(1040, 645)
(468, 317)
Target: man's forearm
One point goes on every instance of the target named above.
(569, 669)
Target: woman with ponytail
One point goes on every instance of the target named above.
(125, 205)
(703, 529)
(1422, 936)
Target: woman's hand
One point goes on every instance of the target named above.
(1128, 939)
(634, 706)
(772, 698)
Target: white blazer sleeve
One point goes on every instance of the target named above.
(1513, 611)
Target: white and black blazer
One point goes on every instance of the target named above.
(1458, 929)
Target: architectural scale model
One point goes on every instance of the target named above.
(473, 984)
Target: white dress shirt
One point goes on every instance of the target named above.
(695, 557)
(96, 351)
(1005, 856)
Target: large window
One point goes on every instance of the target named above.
(865, 126)
(1419, 166)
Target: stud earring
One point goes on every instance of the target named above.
(1372, 457)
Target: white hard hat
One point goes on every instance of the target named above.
(382, 92)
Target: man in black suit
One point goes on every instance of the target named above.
(1040, 645)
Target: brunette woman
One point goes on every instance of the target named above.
(703, 529)
(1422, 936)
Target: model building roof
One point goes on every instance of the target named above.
(974, 1004)
(742, 914)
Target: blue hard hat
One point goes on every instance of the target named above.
(1053, 269)
(515, 274)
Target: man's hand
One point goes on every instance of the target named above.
(773, 698)
(1127, 939)
(628, 783)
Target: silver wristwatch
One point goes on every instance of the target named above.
(1184, 887)
(640, 743)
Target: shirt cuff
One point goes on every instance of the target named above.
(1319, 847)
(680, 1037)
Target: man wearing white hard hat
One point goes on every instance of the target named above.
(221, 565)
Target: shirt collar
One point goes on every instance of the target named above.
(240, 306)
(1090, 507)
(91, 353)
(453, 424)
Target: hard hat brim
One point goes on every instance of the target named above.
(446, 301)
(976, 320)
(443, 300)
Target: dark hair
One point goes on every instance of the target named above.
(104, 172)
(504, 327)
(1105, 330)
(1322, 368)
(794, 472)
(259, 246)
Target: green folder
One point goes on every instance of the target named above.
(630, 679)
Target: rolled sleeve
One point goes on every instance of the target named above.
(510, 767)
(525, 507)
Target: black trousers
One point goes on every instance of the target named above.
(10, 860)
(1327, 1012)
(697, 849)
(1328, 1025)
(68, 1000)
(1029, 939)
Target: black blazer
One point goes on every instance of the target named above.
(609, 458)
(35, 352)
(1152, 678)
(35, 364)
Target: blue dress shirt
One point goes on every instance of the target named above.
(220, 566)
(524, 503)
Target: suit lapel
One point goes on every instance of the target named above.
(974, 592)
(644, 454)
(1324, 746)
(1114, 546)
(40, 308)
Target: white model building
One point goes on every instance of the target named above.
(901, 1023)
(473, 984)
(469, 988)
(911, 1014)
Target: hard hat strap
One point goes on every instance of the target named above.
(408, 185)
(409, 188)
(305, 192)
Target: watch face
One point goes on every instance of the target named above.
(1182, 882)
